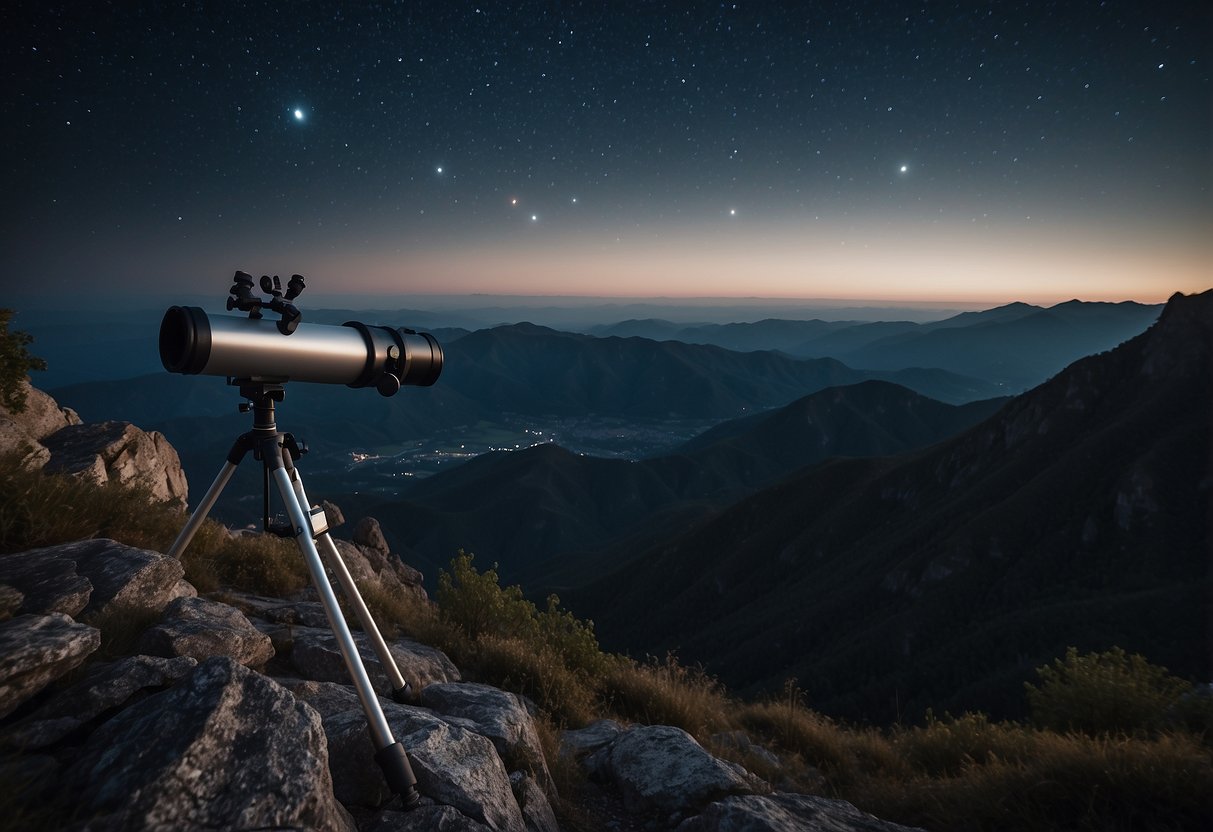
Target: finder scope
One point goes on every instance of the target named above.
(353, 354)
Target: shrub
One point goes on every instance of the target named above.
(1099, 693)
(15, 363)
(944, 747)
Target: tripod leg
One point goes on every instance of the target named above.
(401, 692)
(389, 753)
(400, 688)
(204, 508)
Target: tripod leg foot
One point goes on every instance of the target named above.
(398, 773)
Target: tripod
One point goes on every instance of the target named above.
(278, 452)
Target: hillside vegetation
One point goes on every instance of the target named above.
(1114, 742)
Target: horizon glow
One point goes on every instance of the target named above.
(991, 155)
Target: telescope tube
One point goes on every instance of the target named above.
(353, 354)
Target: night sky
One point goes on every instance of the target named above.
(988, 152)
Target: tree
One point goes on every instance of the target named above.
(15, 364)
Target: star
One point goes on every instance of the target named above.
(440, 168)
(904, 168)
(298, 115)
(732, 212)
(534, 218)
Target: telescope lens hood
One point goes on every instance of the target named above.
(185, 340)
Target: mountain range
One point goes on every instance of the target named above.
(549, 516)
(1015, 346)
(1077, 515)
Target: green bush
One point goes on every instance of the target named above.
(1101, 693)
(15, 363)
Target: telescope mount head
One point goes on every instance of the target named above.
(241, 297)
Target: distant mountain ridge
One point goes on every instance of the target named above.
(1076, 515)
(522, 509)
(1017, 345)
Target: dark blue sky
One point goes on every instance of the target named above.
(1033, 151)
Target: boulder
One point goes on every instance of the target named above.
(498, 715)
(35, 650)
(332, 513)
(315, 655)
(48, 581)
(659, 768)
(200, 629)
(368, 533)
(119, 452)
(786, 813)
(42, 415)
(123, 577)
(369, 565)
(227, 748)
(108, 686)
(454, 766)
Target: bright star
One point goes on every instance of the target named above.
(514, 201)
(440, 168)
(905, 168)
(299, 115)
(534, 218)
(732, 212)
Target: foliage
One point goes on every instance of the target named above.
(477, 604)
(1099, 693)
(15, 363)
(550, 656)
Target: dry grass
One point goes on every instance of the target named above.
(664, 692)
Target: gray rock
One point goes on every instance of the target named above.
(42, 415)
(328, 698)
(367, 532)
(278, 610)
(454, 766)
(786, 813)
(123, 577)
(226, 749)
(333, 513)
(662, 768)
(428, 818)
(537, 812)
(579, 743)
(315, 656)
(35, 650)
(498, 715)
(15, 439)
(119, 452)
(107, 686)
(200, 629)
(48, 580)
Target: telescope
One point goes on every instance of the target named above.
(354, 354)
(260, 356)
